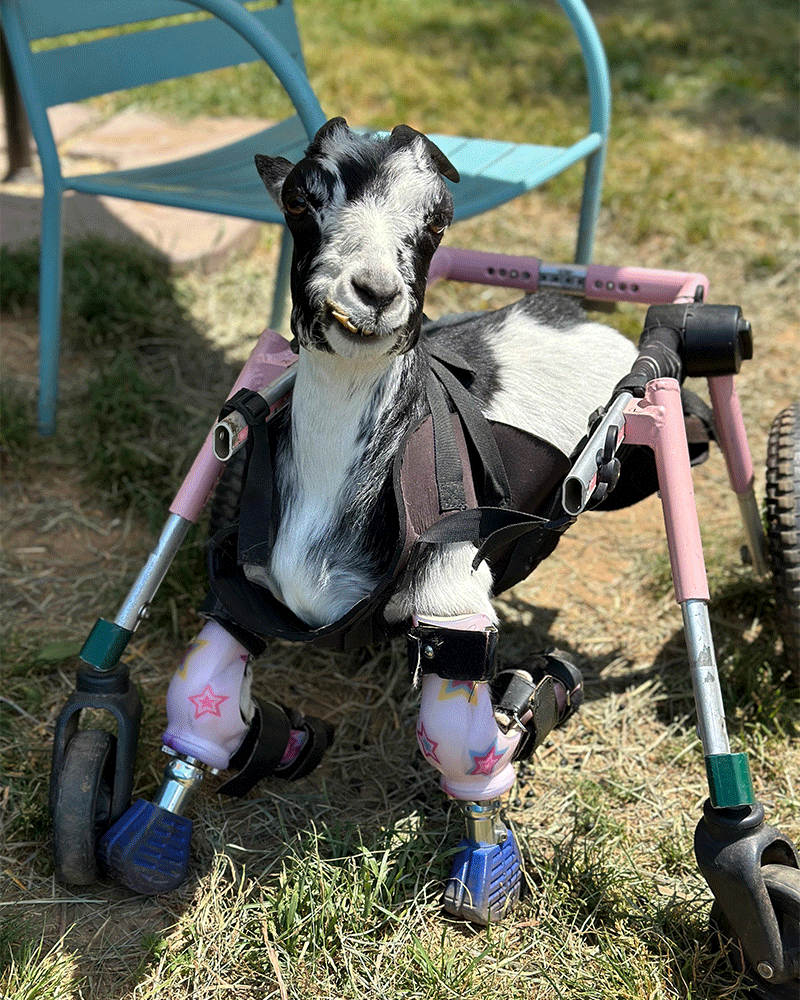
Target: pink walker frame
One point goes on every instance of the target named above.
(655, 421)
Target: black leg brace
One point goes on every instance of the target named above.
(261, 751)
(538, 699)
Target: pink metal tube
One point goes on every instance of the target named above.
(602, 283)
(657, 421)
(270, 358)
(732, 435)
(641, 284)
(481, 268)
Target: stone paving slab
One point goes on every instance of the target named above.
(130, 139)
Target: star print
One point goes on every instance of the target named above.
(427, 745)
(195, 646)
(454, 689)
(485, 763)
(207, 703)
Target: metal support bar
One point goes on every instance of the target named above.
(705, 679)
(754, 532)
(18, 133)
(580, 482)
(149, 579)
(229, 433)
(182, 778)
(739, 463)
(483, 821)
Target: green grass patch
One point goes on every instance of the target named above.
(468, 68)
(31, 971)
(331, 887)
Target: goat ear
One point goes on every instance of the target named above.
(273, 171)
(404, 135)
(331, 127)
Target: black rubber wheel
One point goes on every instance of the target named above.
(225, 500)
(82, 805)
(783, 526)
(783, 888)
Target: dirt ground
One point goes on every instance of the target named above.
(68, 560)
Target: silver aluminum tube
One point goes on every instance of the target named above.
(578, 484)
(227, 435)
(154, 571)
(705, 678)
(483, 821)
(754, 531)
(569, 278)
(181, 780)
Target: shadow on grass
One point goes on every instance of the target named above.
(140, 383)
(733, 63)
(759, 686)
(140, 386)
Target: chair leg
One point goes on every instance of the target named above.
(590, 206)
(281, 294)
(50, 270)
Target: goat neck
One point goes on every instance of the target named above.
(341, 407)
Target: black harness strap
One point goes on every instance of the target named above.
(261, 750)
(468, 499)
(496, 489)
(447, 461)
(256, 536)
(491, 529)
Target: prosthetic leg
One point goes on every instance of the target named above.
(213, 723)
(473, 724)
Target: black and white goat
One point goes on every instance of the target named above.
(366, 215)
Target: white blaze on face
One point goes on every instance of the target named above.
(364, 273)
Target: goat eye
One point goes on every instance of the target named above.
(437, 224)
(295, 204)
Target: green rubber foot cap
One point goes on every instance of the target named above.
(105, 644)
(729, 781)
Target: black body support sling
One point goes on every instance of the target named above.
(457, 477)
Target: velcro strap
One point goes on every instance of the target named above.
(261, 750)
(530, 703)
(452, 654)
(514, 697)
(252, 406)
(319, 736)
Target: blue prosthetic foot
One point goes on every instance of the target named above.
(147, 849)
(486, 875)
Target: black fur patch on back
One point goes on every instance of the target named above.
(552, 308)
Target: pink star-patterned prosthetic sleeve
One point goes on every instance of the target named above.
(457, 732)
(209, 707)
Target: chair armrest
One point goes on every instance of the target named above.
(292, 78)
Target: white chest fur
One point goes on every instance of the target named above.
(317, 568)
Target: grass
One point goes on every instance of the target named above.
(330, 888)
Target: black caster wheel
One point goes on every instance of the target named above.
(82, 805)
(783, 888)
(225, 500)
(783, 526)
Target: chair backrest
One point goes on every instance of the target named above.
(596, 64)
(68, 68)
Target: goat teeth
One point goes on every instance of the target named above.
(345, 320)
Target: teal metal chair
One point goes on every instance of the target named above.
(224, 181)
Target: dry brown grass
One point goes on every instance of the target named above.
(329, 888)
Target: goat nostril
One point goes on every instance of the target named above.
(377, 295)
